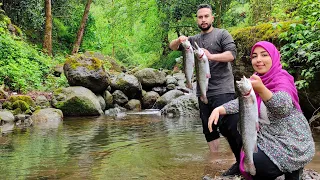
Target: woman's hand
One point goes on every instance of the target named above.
(214, 117)
(257, 84)
(260, 88)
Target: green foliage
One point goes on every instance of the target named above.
(301, 50)
(169, 62)
(236, 15)
(246, 37)
(23, 67)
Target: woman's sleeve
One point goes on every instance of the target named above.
(232, 106)
(280, 104)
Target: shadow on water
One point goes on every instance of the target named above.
(133, 146)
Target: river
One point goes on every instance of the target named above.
(127, 147)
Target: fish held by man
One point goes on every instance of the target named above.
(248, 123)
(203, 73)
(188, 63)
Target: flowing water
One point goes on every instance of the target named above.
(127, 147)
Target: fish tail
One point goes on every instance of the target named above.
(189, 85)
(204, 99)
(252, 169)
(249, 167)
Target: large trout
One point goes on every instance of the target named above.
(203, 73)
(188, 63)
(248, 123)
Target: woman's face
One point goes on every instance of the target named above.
(261, 60)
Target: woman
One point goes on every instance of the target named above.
(285, 143)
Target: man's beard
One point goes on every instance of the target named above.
(206, 28)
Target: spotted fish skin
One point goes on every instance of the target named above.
(188, 63)
(248, 123)
(202, 73)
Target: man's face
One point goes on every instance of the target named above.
(204, 18)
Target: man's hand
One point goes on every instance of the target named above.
(174, 45)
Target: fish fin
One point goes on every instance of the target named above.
(204, 99)
(252, 169)
(189, 85)
(238, 127)
(255, 148)
(257, 126)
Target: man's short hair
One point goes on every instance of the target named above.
(204, 6)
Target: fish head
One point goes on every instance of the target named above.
(244, 86)
(186, 44)
(199, 52)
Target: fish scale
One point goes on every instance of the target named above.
(248, 123)
(188, 63)
(203, 73)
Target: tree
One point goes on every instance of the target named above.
(47, 41)
(81, 28)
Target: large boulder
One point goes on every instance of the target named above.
(128, 84)
(6, 116)
(48, 118)
(76, 101)
(149, 98)
(87, 72)
(150, 78)
(167, 98)
(186, 105)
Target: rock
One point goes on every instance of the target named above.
(88, 72)
(186, 105)
(119, 97)
(167, 98)
(42, 102)
(150, 78)
(128, 84)
(6, 116)
(149, 98)
(47, 118)
(76, 101)
(133, 104)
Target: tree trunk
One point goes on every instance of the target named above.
(47, 41)
(218, 5)
(81, 28)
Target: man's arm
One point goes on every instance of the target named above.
(229, 49)
(222, 57)
(174, 45)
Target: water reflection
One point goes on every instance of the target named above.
(134, 146)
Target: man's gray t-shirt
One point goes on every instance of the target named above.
(217, 41)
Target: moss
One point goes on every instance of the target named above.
(7, 105)
(17, 111)
(24, 98)
(78, 60)
(28, 111)
(75, 107)
(18, 30)
(21, 105)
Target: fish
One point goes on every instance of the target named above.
(188, 63)
(248, 125)
(202, 73)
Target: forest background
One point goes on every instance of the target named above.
(37, 35)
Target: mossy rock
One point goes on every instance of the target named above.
(7, 105)
(75, 63)
(24, 98)
(20, 104)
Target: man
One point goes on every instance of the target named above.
(220, 49)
